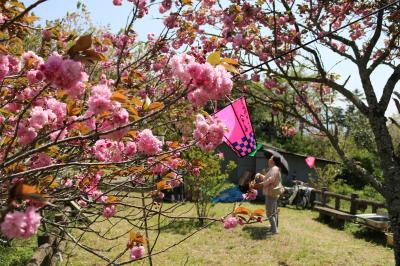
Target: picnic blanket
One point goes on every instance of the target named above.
(229, 195)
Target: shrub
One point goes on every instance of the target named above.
(207, 181)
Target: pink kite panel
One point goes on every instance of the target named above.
(240, 136)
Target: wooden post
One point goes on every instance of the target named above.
(353, 206)
(59, 218)
(337, 203)
(374, 208)
(323, 196)
(43, 239)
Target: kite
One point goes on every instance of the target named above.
(240, 136)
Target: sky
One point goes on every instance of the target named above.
(104, 13)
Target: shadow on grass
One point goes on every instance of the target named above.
(360, 232)
(368, 235)
(256, 233)
(330, 222)
(181, 227)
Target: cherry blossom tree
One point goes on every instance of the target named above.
(81, 119)
(286, 48)
(79, 111)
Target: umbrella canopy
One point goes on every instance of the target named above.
(284, 164)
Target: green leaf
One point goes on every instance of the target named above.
(214, 58)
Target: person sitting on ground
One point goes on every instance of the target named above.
(244, 180)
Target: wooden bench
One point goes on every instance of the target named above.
(328, 213)
(339, 217)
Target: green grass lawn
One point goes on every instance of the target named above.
(18, 254)
(302, 241)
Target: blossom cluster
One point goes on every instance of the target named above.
(230, 222)
(140, 4)
(250, 195)
(137, 252)
(19, 224)
(205, 81)
(148, 143)
(63, 73)
(9, 65)
(209, 133)
(45, 112)
(288, 131)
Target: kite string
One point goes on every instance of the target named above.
(229, 99)
(215, 106)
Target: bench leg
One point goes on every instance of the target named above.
(339, 223)
(324, 218)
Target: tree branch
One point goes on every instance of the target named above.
(374, 39)
(23, 13)
(388, 89)
(385, 54)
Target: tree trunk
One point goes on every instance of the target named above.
(395, 226)
(391, 172)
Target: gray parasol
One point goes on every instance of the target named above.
(284, 164)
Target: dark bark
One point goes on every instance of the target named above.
(395, 222)
(391, 172)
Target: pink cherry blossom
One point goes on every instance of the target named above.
(269, 84)
(100, 100)
(82, 203)
(98, 196)
(4, 66)
(41, 160)
(68, 182)
(148, 143)
(108, 150)
(208, 82)
(13, 107)
(14, 224)
(14, 65)
(58, 134)
(21, 224)
(34, 76)
(119, 118)
(137, 252)
(196, 171)
(32, 58)
(39, 117)
(46, 35)
(26, 135)
(171, 21)
(109, 211)
(63, 73)
(130, 148)
(230, 222)
(58, 108)
(250, 195)
(208, 133)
